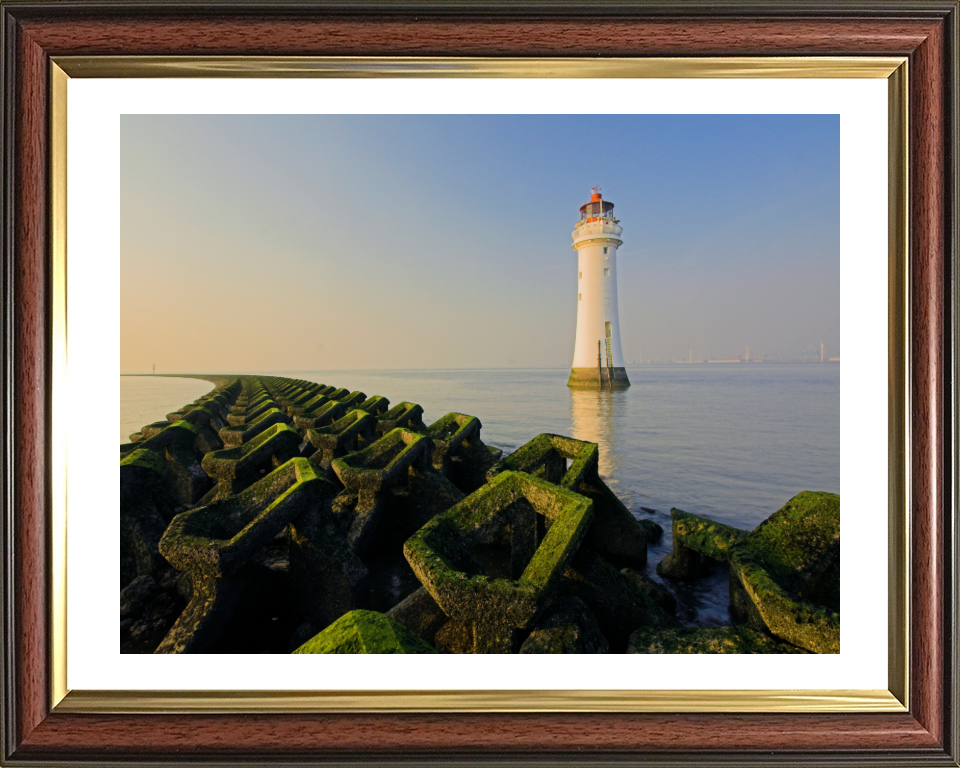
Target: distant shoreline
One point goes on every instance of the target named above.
(514, 368)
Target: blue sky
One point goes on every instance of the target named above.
(323, 242)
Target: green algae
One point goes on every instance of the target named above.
(800, 544)
(706, 640)
(145, 460)
(800, 622)
(438, 555)
(705, 536)
(784, 575)
(362, 631)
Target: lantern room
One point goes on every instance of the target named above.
(596, 208)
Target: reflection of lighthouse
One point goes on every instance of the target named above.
(597, 359)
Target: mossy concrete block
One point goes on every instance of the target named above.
(352, 432)
(694, 536)
(371, 474)
(427, 494)
(567, 627)
(247, 415)
(218, 539)
(448, 434)
(146, 630)
(420, 613)
(185, 479)
(327, 579)
(322, 416)
(298, 397)
(375, 405)
(652, 589)
(468, 471)
(455, 636)
(365, 632)
(238, 435)
(207, 441)
(352, 399)
(143, 459)
(680, 564)
(710, 538)
(620, 608)
(202, 622)
(235, 468)
(312, 404)
(144, 505)
(784, 575)
(217, 546)
(179, 434)
(615, 533)
(382, 463)
(545, 456)
(706, 640)
(785, 615)
(135, 596)
(439, 555)
(338, 394)
(653, 531)
(403, 414)
(149, 430)
(201, 416)
(458, 452)
(800, 544)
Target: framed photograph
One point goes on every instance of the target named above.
(116, 115)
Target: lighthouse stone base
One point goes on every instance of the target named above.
(596, 378)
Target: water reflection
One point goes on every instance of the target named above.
(595, 415)
(605, 417)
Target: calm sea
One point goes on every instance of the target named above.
(733, 442)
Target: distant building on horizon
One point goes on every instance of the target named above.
(597, 357)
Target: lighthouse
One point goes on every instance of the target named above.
(597, 358)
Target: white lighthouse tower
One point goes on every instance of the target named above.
(597, 358)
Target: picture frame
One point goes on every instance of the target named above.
(46, 42)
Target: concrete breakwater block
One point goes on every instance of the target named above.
(216, 543)
(707, 640)
(567, 627)
(271, 514)
(235, 468)
(615, 533)
(242, 433)
(784, 575)
(365, 632)
(500, 608)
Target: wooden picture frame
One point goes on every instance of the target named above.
(36, 35)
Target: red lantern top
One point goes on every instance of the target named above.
(596, 208)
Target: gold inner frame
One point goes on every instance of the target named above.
(895, 699)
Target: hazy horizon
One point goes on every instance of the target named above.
(322, 243)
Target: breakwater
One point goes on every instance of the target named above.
(265, 514)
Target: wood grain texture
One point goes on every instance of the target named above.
(928, 347)
(342, 735)
(488, 37)
(30, 394)
(894, 739)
